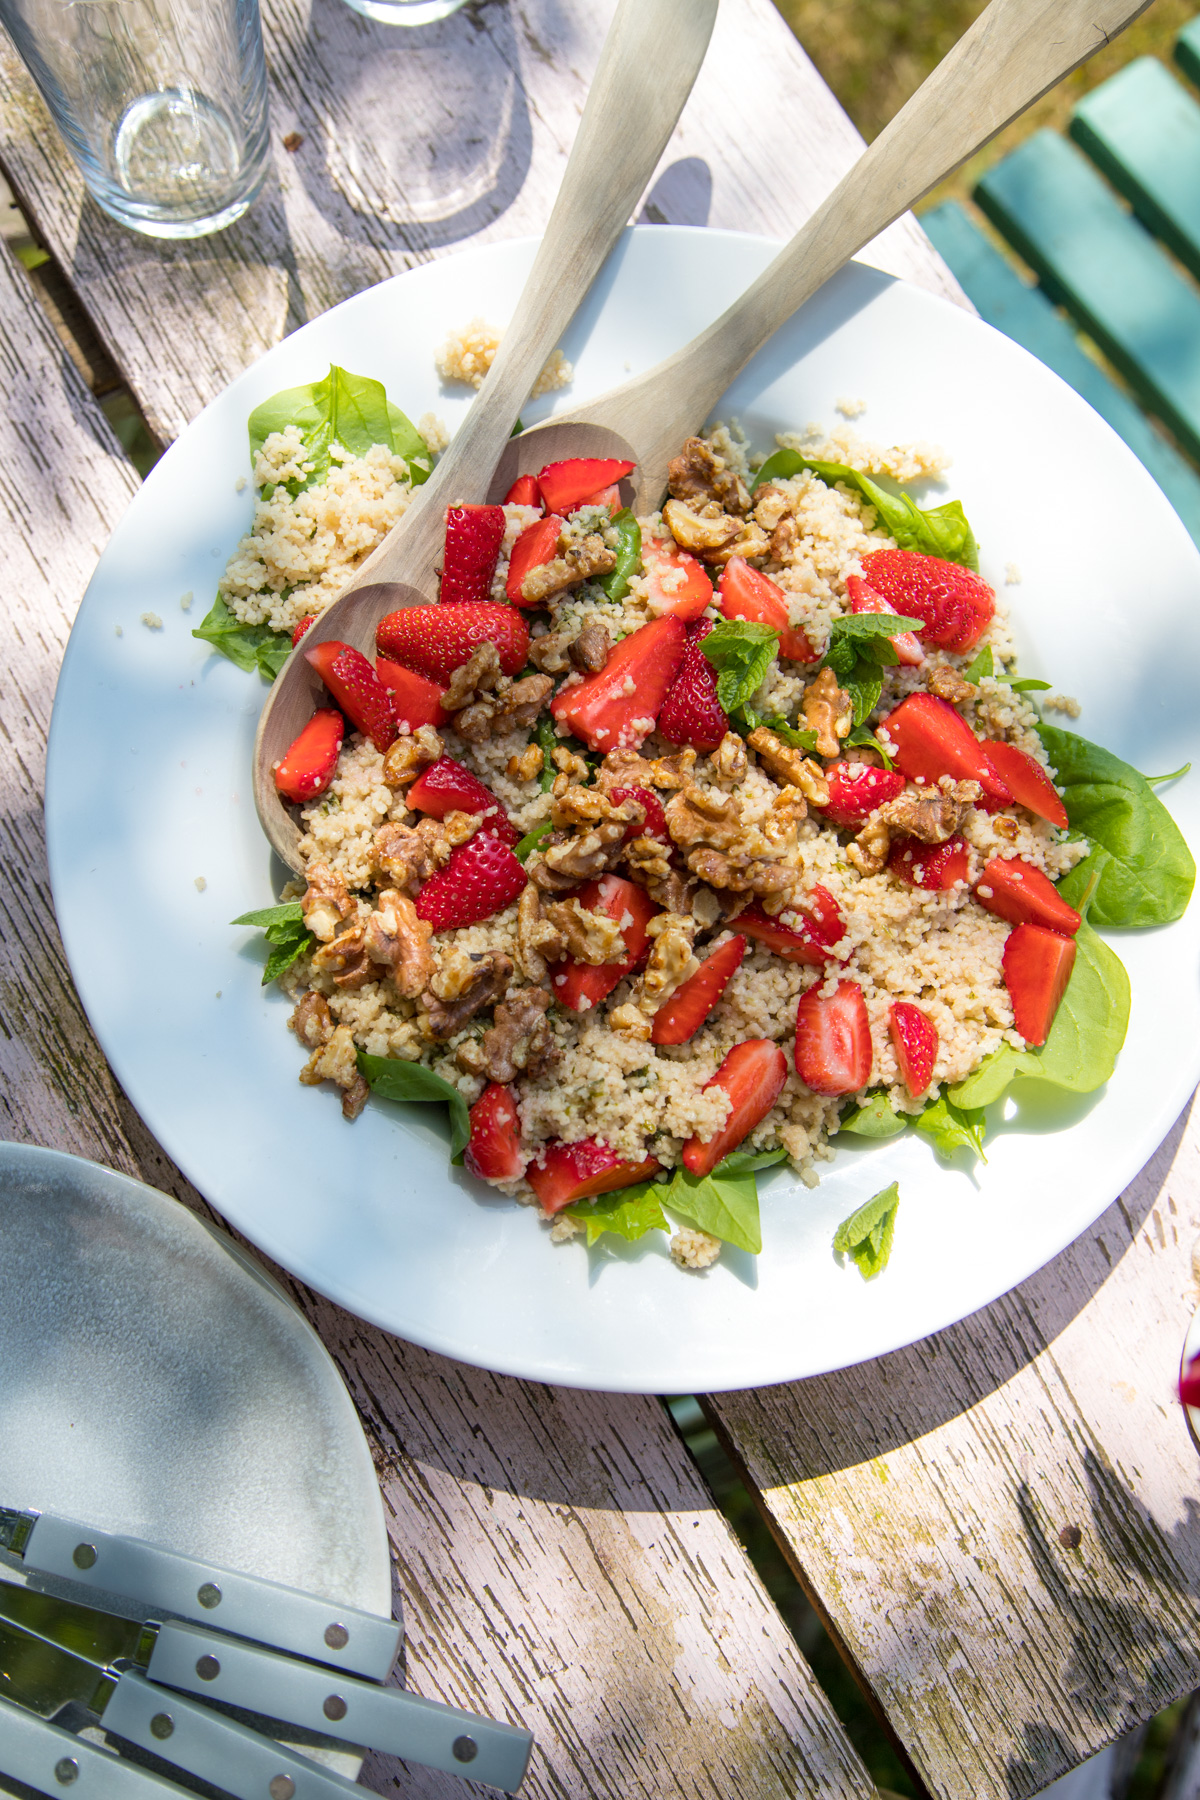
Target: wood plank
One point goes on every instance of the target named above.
(1141, 128)
(560, 1560)
(1000, 1521)
(1027, 316)
(415, 144)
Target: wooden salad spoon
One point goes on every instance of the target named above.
(647, 69)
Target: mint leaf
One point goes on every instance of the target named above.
(875, 1118)
(726, 1206)
(747, 720)
(285, 930)
(629, 1213)
(867, 1234)
(288, 912)
(984, 664)
(351, 410)
(867, 740)
(410, 1082)
(953, 1127)
(1027, 686)
(943, 532)
(853, 627)
(251, 647)
(864, 688)
(742, 652)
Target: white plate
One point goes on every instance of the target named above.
(154, 1381)
(149, 788)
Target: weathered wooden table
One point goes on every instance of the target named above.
(1000, 1524)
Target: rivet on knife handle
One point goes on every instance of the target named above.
(54, 1761)
(388, 1719)
(164, 1581)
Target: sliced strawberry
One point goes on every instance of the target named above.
(833, 1040)
(1037, 966)
(747, 593)
(417, 701)
(934, 867)
(1016, 891)
(524, 492)
(445, 787)
(301, 628)
(581, 985)
(685, 1012)
(813, 943)
(753, 1075)
(655, 823)
(474, 535)
(615, 709)
(537, 544)
(481, 879)
(1030, 784)
(856, 789)
(566, 1172)
(608, 497)
(306, 767)
(864, 599)
(494, 1152)
(692, 714)
(915, 1041)
(436, 640)
(357, 689)
(565, 485)
(956, 604)
(1189, 1383)
(932, 740)
(678, 584)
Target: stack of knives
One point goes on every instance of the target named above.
(252, 1645)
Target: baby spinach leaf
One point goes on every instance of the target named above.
(738, 1161)
(867, 1234)
(249, 646)
(1028, 686)
(952, 1127)
(943, 532)
(285, 931)
(875, 1118)
(529, 843)
(629, 1213)
(742, 652)
(726, 1206)
(393, 1079)
(867, 740)
(342, 408)
(629, 555)
(1147, 875)
(1175, 775)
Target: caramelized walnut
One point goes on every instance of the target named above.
(828, 712)
(699, 474)
(456, 993)
(589, 937)
(538, 942)
(409, 755)
(592, 648)
(398, 940)
(949, 685)
(581, 562)
(311, 1021)
(790, 765)
(519, 1043)
(527, 766)
(707, 529)
(932, 817)
(345, 958)
(326, 902)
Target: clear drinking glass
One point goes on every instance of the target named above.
(163, 103)
(404, 12)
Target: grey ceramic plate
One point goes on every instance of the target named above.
(153, 1381)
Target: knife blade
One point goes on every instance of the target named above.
(180, 1655)
(45, 1757)
(164, 1581)
(43, 1680)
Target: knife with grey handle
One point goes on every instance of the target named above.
(45, 1757)
(163, 1581)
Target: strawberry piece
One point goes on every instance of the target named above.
(932, 740)
(524, 492)
(753, 1075)
(833, 1040)
(915, 1041)
(856, 789)
(864, 599)
(436, 640)
(301, 628)
(306, 767)
(692, 713)
(655, 823)
(1016, 891)
(566, 1172)
(565, 485)
(956, 604)
(678, 584)
(1030, 784)
(474, 535)
(934, 867)
(813, 943)
(685, 1012)
(481, 879)
(494, 1152)
(445, 787)
(1037, 966)
(1189, 1383)
(417, 701)
(537, 544)
(608, 497)
(615, 709)
(581, 985)
(357, 689)
(747, 593)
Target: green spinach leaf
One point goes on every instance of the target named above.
(983, 664)
(351, 410)
(725, 1205)
(875, 1118)
(742, 652)
(866, 738)
(943, 532)
(629, 1213)
(629, 555)
(249, 646)
(1146, 869)
(407, 1082)
(1028, 686)
(285, 931)
(867, 1234)
(529, 843)
(953, 1127)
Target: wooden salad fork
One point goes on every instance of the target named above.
(647, 69)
